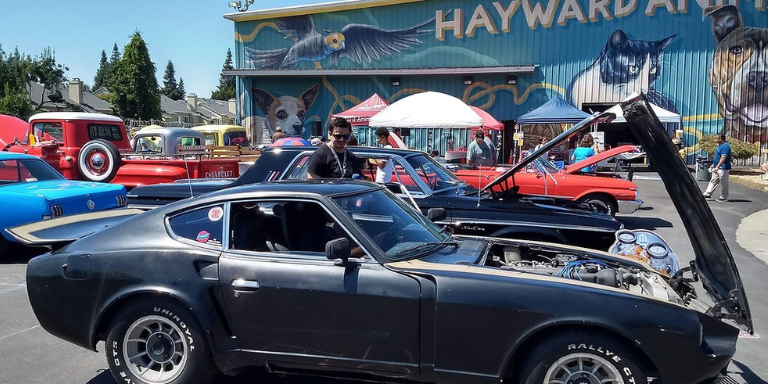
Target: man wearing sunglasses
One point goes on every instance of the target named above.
(334, 161)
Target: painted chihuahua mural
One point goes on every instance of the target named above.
(287, 112)
(739, 74)
(624, 66)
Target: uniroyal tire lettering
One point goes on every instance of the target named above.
(182, 324)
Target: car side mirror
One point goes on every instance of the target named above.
(338, 249)
(436, 214)
(15, 140)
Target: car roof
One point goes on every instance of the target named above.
(15, 155)
(354, 149)
(323, 187)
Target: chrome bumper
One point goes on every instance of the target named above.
(629, 206)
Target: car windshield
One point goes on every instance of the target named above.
(396, 227)
(541, 164)
(26, 171)
(434, 174)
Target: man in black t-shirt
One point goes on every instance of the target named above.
(334, 161)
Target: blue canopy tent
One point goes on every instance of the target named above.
(554, 111)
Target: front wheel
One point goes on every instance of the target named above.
(158, 342)
(601, 204)
(584, 358)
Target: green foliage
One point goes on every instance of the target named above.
(181, 91)
(739, 149)
(49, 74)
(226, 89)
(15, 103)
(136, 93)
(170, 86)
(102, 73)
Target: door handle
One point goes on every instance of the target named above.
(245, 285)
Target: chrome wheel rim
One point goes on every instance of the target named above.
(155, 349)
(582, 368)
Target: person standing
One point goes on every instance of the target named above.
(334, 161)
(584, 151)
(720, 169)
(279, 134)
(481, 151)
(383, 167)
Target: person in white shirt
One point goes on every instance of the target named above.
(383, 167)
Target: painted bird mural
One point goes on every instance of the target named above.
(357, 42)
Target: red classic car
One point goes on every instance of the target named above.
(537, 176)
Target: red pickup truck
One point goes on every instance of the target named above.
(96, 147)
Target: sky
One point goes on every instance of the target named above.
(193, 34)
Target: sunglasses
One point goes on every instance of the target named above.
(341, 137)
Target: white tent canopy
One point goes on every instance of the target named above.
(663, 115)
(427, 110)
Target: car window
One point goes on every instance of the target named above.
(210, 138)
(298, 169)
(432, 173)
(111, 132)
(186, 140)
(151, 143)
(203, 225)
(235, 138)
(26, 171)
(48, 132)
(284, 227)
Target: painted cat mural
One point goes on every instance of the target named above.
(624, 66)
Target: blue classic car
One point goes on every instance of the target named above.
(31, 190)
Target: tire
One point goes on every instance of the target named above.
(582, 357)
(602, 203)
(98, 161)
(162, 337)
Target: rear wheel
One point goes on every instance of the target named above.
(582, 358)
(601, 203)
(155, 341)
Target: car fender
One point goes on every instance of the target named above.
(109, 307)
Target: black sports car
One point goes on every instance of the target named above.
(427, 184)
(343, 278)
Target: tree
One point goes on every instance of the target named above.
(49, 74)
(181, 91)
(226, 89)
(102, 74)
(739, 149)
(170, 87)
(136, 93)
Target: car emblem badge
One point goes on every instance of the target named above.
(90, 204)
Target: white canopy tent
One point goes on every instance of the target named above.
(663, 115)
(427, 110)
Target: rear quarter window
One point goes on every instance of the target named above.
(203, 225)
(111, 132)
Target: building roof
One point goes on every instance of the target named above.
(90, 102)
(308, 9)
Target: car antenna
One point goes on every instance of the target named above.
(189, 181)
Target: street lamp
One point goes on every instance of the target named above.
(239, 6)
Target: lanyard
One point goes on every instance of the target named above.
(342, 166)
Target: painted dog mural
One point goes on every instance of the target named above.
(739, 74)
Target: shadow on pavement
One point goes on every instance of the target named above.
(19, 254)
(747, 375)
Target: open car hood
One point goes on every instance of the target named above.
(632, 150)
(595, 118)
(64, 230)
(713, 262)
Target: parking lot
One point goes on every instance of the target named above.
(28, 354)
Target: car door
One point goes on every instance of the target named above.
(299, 309)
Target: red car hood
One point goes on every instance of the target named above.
(10, 127)
(605, 155)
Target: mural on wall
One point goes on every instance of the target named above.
(623, 67)
(287, 112)
(739, 74)
(357, 42)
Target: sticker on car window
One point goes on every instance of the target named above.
(203, 236)
(215, 214)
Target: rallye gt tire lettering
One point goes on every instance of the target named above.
(157, 341)
(98, 160)
(582, 357)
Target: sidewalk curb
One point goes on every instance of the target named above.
(751, 181)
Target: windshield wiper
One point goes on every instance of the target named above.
(422, 248)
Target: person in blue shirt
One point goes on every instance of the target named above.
(584, 151)
(721, 167)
